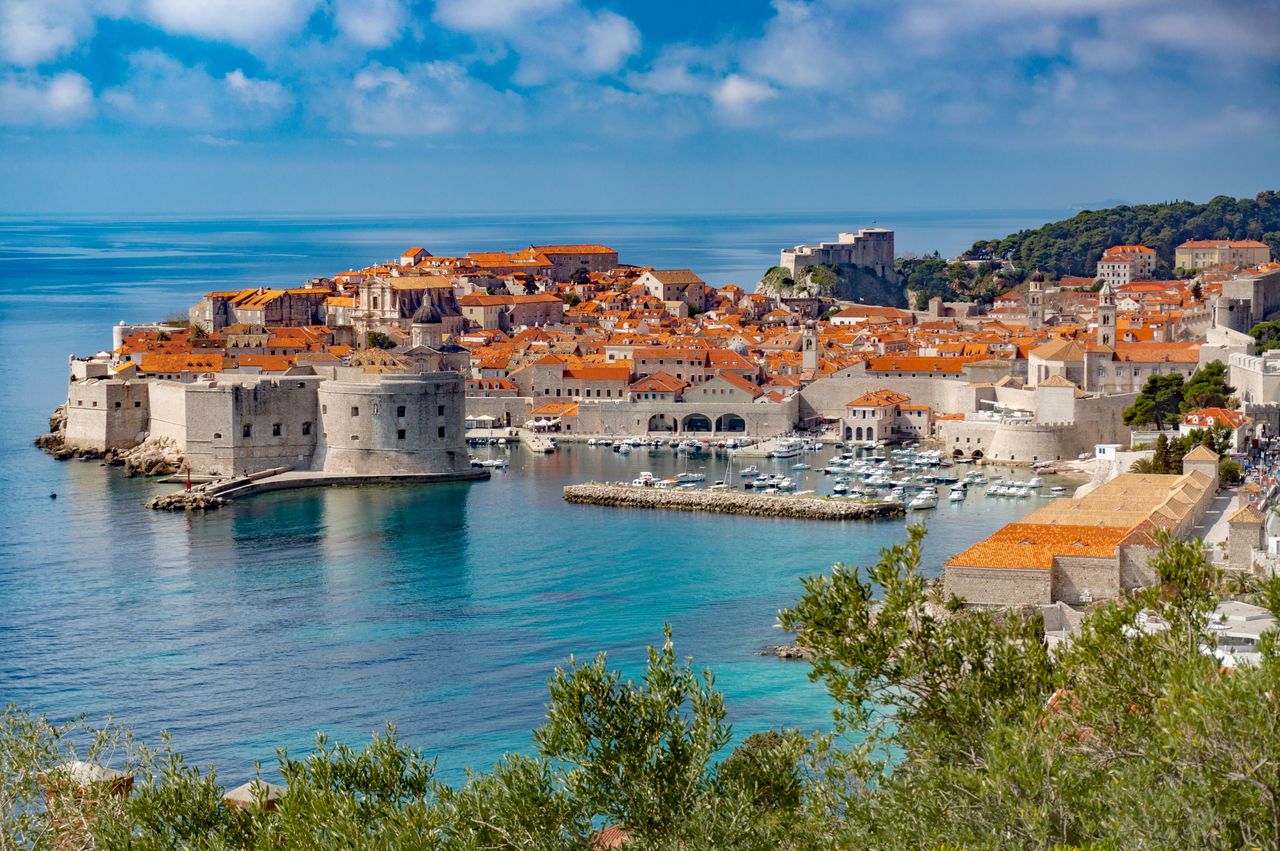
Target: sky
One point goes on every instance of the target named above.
(372, 106)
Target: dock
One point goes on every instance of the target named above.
(728, 502)
(218, 493)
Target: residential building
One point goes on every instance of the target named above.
(1197, 254)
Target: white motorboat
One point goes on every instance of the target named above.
(1057, 490)
(687, 477)
(923, 501)
(956, 496)
(801, 467)
(750, 472)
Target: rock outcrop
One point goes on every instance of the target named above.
(155, 456)
(786, 651)
(186, 501)
(756, 505)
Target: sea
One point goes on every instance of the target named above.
(441, 610)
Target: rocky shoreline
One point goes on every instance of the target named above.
(186, 501)
(786, 651)
(154, 456)
(755, 505)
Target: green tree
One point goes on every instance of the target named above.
(379, 340)
(1160, 460)
(1207, 388)
(1160, 397)
(1267, 334)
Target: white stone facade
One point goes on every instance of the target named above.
(343, 421)
(871, 248)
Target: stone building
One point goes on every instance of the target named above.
(1196, 254)
(675, 285)
(567, 259)
(1079, 550)
(338, 419)
(870, 248)
(1121, 264)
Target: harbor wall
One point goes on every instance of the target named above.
(756, 505)
(829, 397)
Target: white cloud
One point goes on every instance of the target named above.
(738, 95)
(477, 16)
(35, 31)
(248, 23)
(257, 93)
(30, 99)
(423, 99)
(553, 39)
(370, 23)
(215, 141)
(162, 91)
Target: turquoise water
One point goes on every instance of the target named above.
(440, 609)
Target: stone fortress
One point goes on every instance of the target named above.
(332, 419)
(871, 248)
(374, 415)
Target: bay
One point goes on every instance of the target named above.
(442, 610)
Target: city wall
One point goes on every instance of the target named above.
(1004, 587)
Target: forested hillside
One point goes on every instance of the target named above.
(1073, 246)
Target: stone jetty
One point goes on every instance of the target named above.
(186, 501)
(755, 505)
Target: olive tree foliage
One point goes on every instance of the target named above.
(955, 727)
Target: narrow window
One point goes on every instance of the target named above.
(355, 412)
(276, 430)
(324, 409)
(399, 434)
(117, 404)
(247, 431)
(439, 410)
(440, 431)
(400, 410)
(306, 428)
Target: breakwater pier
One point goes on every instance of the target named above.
(724, 502)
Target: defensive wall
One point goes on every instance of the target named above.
(343, 421)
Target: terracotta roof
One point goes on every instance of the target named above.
(1032, 545)
(1201, 453)
(1248, 514)
(1059, 350)
(659, 382)
(556, 409)
(676, 276)
(1223, 243)
(572, 249)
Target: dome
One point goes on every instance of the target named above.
(427, 314)
(1037, 275)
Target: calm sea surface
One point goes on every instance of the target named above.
(440, 609)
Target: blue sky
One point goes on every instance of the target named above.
(368, 106)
